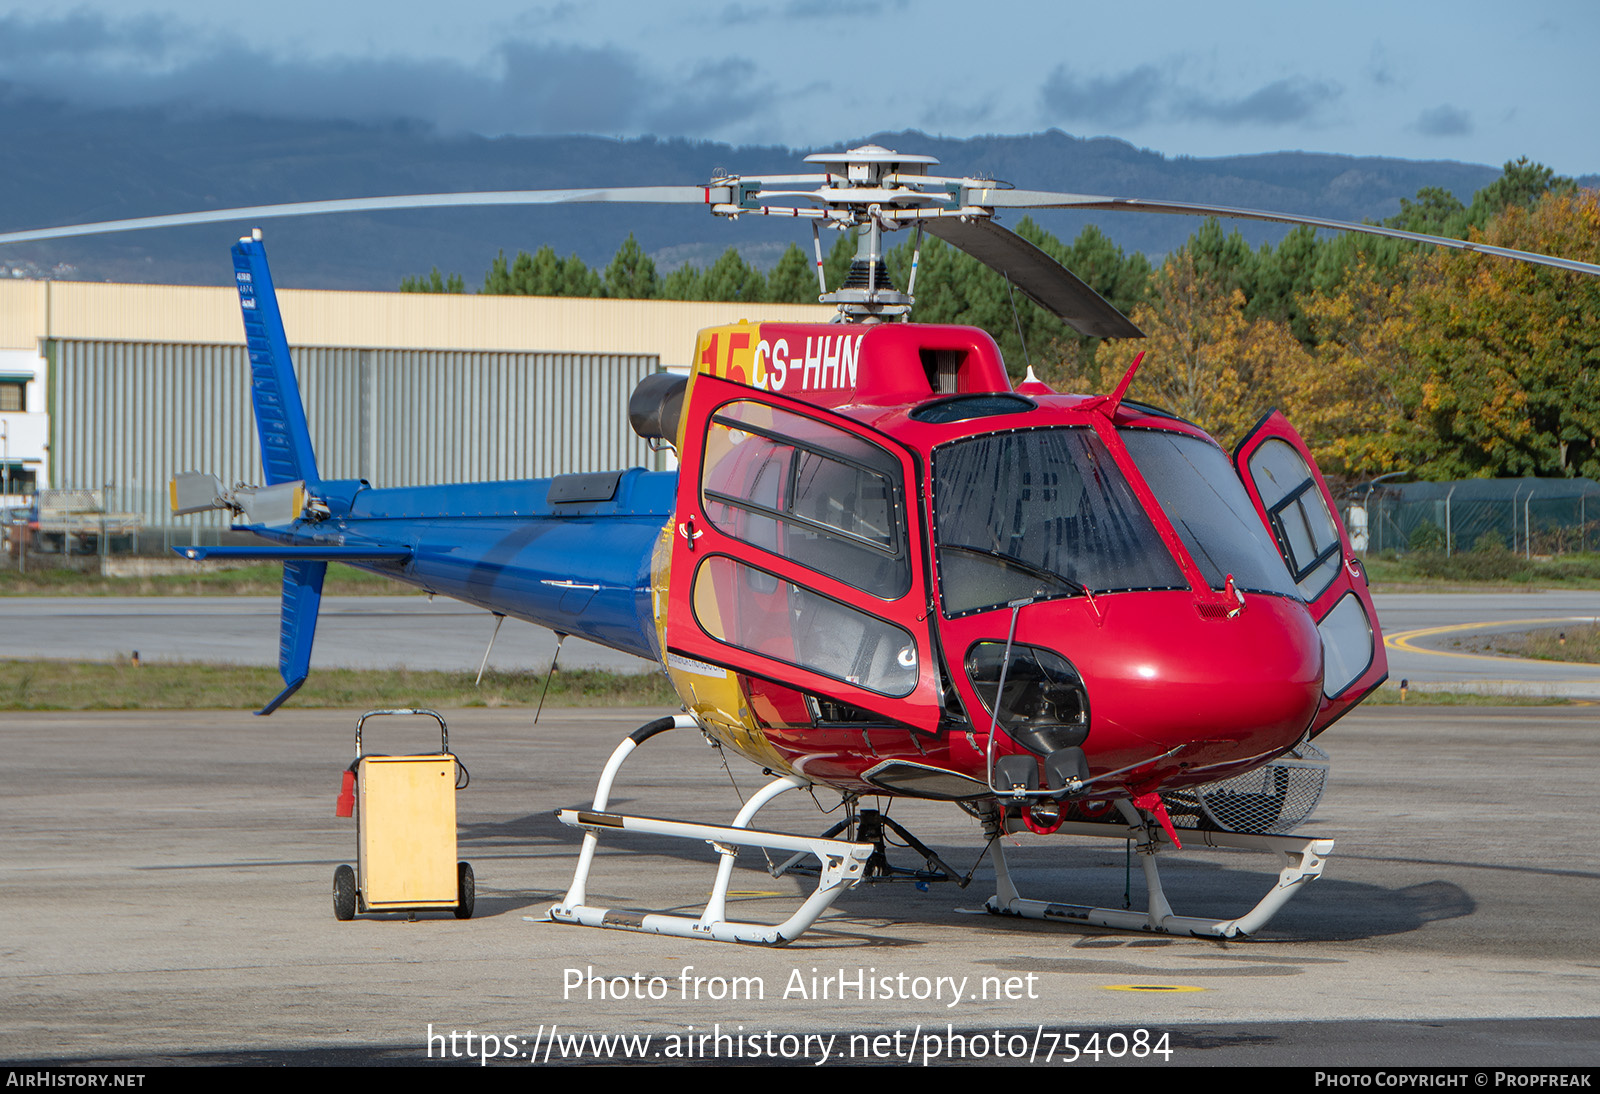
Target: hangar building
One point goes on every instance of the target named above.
(117, 387)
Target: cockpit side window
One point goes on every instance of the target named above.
(808, 492)
(1208, 507)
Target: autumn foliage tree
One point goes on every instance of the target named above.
(1511, 352)
(1205, 360)
(1356, 402)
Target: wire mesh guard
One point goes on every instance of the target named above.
(1274, 799)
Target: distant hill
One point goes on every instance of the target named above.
(64, 165)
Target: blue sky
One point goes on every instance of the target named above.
(1468, 80)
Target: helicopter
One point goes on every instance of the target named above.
(883, 569)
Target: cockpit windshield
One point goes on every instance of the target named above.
(1041, 513)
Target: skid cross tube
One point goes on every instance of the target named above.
(872, 827)
(843, 862)
(1301, 861)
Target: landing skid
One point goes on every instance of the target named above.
(1301, 862)
(843, 863)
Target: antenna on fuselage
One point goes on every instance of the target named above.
(499, 618)
(560, 638)
(1115, 401)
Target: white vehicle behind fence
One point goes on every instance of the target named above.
(76, 522)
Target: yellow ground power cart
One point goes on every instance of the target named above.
(405, 810)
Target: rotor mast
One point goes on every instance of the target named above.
(860, 183)
(875, 190)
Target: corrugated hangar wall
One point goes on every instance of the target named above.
(128, 415)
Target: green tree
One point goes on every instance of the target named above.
(836, 266)
(1522, 183)
(1123, 279)
(632, 273)
(793, 280)
(546, 275)
(434, 283)
(684, 283)
(1348, 251)
(541, 274)
(1285, 275)
(577, 279)
(1223, 263)
(1069, 363)
(732, 278)
(1436, 211)
(497, 282)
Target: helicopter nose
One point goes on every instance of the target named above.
(1225, 688)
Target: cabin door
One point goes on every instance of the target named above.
(1292, 499)
(798, 561)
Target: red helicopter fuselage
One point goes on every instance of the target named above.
(889, 570)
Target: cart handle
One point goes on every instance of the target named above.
(444, 732)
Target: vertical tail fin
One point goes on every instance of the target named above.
(297, 626)
(286, 454)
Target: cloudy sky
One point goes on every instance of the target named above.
(1469, 80)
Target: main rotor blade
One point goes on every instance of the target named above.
(1044, 199)
(651, 195)
(1036, 275)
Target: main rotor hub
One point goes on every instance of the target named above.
(875, 190)
(860, 183)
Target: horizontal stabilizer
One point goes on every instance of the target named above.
(297, 554)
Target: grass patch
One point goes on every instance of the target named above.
(1576, 643)
(95, 685)
(120, 685)
(265, 579)
(1430, 571)
(1489, 566)
(1389, 695)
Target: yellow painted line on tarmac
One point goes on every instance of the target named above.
(1403, 640)
(1152, 987)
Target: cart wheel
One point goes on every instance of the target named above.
(344, 893)
(466, 890)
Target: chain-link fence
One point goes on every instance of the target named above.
(1528, 516)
